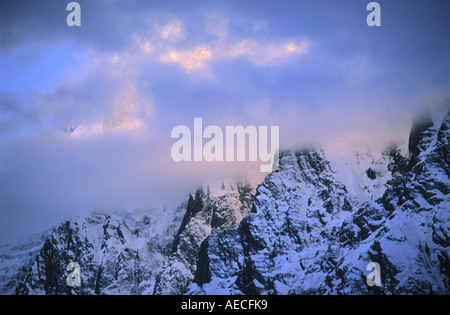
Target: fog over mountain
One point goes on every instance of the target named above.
(86, 171)
(311, 227)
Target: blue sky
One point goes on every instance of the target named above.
(136, 69)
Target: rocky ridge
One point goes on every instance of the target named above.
(314, 226)
(310, 233)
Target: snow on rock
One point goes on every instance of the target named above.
(316, 230)
(14, 258)
(118, 253)
(314, 226)
(140, 252)
(209, 211)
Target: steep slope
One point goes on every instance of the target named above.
(209, 211)
(314, 226)
(15, 257)
(117, 253)
(142, 252)
(409, 232)
(313, 234)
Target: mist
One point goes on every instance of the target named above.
(86, 113)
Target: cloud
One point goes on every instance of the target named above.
(116, 87)
(98, 135)
(190, 59)
(201, 55)
(271, 53)
(173, 31)
(175, 42)
(98, 138)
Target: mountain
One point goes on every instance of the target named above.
(118, 253)
(311, 233)
(140, 252)
(209, 211)
(14, 258)
(329, 220)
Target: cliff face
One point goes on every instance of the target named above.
(117, 254)
(144, 252)
(311, 234)
(316, 225)
(209, 211)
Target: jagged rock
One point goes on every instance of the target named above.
(314, 226)
(302, 240)
(209, 211)
(117, 254)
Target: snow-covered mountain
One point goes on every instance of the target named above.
(142, 252)
(314, 226)
(313, 234)
(209, 211)
(14, 259)
(118, 253)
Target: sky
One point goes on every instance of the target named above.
(86, 112)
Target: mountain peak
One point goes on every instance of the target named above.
(314, 232)
(313, 226)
